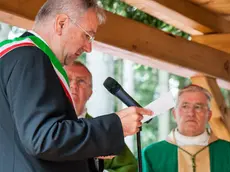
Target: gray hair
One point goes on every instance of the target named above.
(73, 8)
(78, 63)
(195, 88)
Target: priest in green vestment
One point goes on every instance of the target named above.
(80, 80)
(191, 147)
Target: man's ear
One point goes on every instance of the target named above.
(61, 22)
(174, 113)
(90, 94)
(209, 115)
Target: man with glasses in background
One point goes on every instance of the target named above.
(191, 146)
(39, 128)
(81, 87)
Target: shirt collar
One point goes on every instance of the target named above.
(182, 140)
(83, 114)
(37, 35)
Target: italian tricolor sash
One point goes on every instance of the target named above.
(9, 45)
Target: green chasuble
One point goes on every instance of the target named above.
(124, 162)
(160, 157)
(163, 157)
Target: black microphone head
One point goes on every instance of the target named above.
(112, 85)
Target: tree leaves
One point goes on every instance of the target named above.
(125, 10)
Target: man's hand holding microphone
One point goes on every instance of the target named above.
(131, 119)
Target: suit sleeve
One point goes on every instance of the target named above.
(124, 162)
(46, 123)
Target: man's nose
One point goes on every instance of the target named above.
(191, 111)
(88, 47)
(73, 86)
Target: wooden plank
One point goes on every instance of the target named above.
(184, 15)
(219, 6)
(20, 13)
(220, 121)
(16, 20)
(217, 41)
(149, 45)
(22, 8)
(141, 39)
(148, 61)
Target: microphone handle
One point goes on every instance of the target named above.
(129, 101)
(126, 98)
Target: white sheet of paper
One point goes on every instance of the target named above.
(160, 105)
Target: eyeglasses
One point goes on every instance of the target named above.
(198, 108)
(80, 82)
(89, 37)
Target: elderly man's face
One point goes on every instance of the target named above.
(74, 37)
(80, 85)
(192, 113)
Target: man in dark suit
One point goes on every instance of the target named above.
(39, 129)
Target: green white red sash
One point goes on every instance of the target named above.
(9, 45)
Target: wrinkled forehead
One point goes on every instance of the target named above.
(193, 97)
(77, 71)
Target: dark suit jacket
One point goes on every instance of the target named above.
(39, 130)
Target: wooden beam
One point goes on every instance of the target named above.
(184, 15)
(15, 20)
(220, 120)
(19, 13)
(151, 46)
(218, 6)
(217, 41)
(147, 41)
(22, 8)
(154, 63)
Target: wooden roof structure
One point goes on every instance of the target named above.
(205, 57)
(208, 21)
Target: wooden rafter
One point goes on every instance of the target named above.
(217, 41)
(141, 39)
(220, 120)
(146, 45)
(15, 20)
(22, 8)
(218, 6)
(184, 15)
(154, 63)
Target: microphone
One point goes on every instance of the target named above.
(115, 88)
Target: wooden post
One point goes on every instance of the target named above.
(220, 121)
